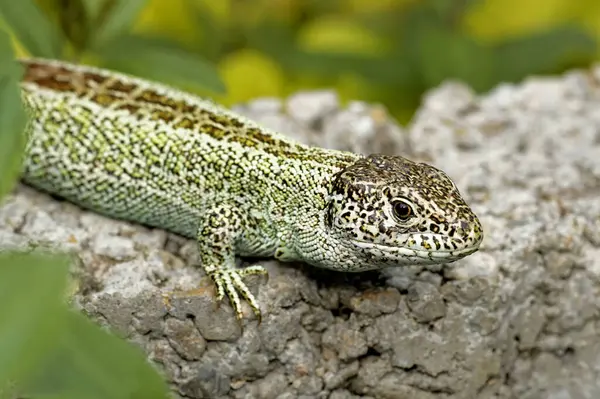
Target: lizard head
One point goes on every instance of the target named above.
(392, 211)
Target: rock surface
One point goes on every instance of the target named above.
(520, 318)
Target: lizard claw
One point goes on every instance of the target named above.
(229, 281)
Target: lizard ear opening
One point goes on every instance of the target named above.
(353, 193)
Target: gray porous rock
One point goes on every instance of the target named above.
(518, 319)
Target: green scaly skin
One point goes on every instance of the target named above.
(147, 153)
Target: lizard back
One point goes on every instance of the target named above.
(144, 152)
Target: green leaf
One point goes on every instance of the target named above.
(12, 118)
(213, 37)
(278, 41)
(32, 287)
(115, 20)
(446, 55)
(32, 28)
(94, 364)
(95, 8)
(450, 12)
(160, 60)
(545, 52)
(75, 24)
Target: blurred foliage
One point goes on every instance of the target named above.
(388, 51)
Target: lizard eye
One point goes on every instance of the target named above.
(402, 210)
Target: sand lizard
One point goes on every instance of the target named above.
(147, 153)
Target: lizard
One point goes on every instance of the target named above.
(145, 152)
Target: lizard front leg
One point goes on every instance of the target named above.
(218, 235)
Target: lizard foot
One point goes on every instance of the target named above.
(229, 281)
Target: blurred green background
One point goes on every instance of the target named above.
(387, 51)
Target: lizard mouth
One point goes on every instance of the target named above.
(421, 252)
